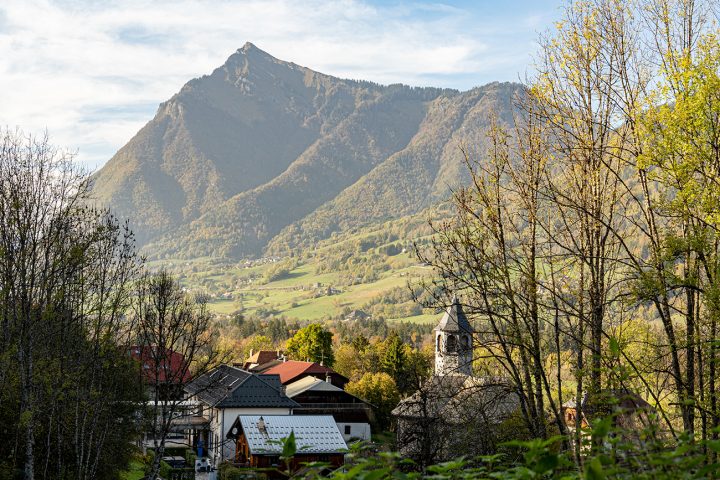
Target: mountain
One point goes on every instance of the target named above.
(265, 155)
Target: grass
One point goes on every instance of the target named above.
(136, 471)
(296, 296)
(301, 293)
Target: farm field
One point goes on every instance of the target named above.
(371, 271)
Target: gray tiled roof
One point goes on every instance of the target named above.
(227, 386)
(313, 433)
(454, 319)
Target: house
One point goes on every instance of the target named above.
(356, 315)
(432, 424)
(262, 358)
(628, 410)
(293, 370)
(163, 369)
(226, 392)
(315, 396)
(258, 440)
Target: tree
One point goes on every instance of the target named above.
(257, 343)
(379, 390)
(492, 251)
(678, 149)
(575, 97)
(360, 343)
(349, 362)
(393, 359)
(175, 337)
(68, 398)
(312, 343)
(599, 202)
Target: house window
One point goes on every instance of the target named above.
(347, 429)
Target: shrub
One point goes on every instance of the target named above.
(611, 455)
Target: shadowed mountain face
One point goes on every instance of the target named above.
(267, 154)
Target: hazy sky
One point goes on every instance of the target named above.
(93, 72)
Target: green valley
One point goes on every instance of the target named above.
(371, 271)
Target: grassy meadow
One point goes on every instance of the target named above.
(371, 270)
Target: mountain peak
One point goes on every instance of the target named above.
(251, 52)
(261, 145)
(248, 47)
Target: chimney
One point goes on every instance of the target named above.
(328, 377)
(261, 426)
(251, 352)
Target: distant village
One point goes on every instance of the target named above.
(241, 415)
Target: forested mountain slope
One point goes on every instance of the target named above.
(264, 152)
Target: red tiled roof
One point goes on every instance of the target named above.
(292, 369)
(176, 366)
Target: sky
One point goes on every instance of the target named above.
(92, 73)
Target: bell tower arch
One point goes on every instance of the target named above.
(453, 342)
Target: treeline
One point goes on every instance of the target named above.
(78, 313)
(68, 393)
(597, 210)
(398, 302)
(243, 334)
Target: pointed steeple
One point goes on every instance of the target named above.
(454, 319)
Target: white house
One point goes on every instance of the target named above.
(226, 392)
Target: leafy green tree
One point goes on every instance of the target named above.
(360, 343)
(394, 359)
(380, 390)
(257, 343)
(312, 343)
(419, 363)
(349, 362)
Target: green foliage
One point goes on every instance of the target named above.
(279, 270)
(227, 472)
(135, 471)
(312, 343)
(394, 358)
(165, 469)
(289, 447)
(544, 459)
(360, 343)
(257, 343)
(380, 390)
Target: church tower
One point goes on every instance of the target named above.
(453, 342)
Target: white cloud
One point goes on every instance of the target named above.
(93, 73)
